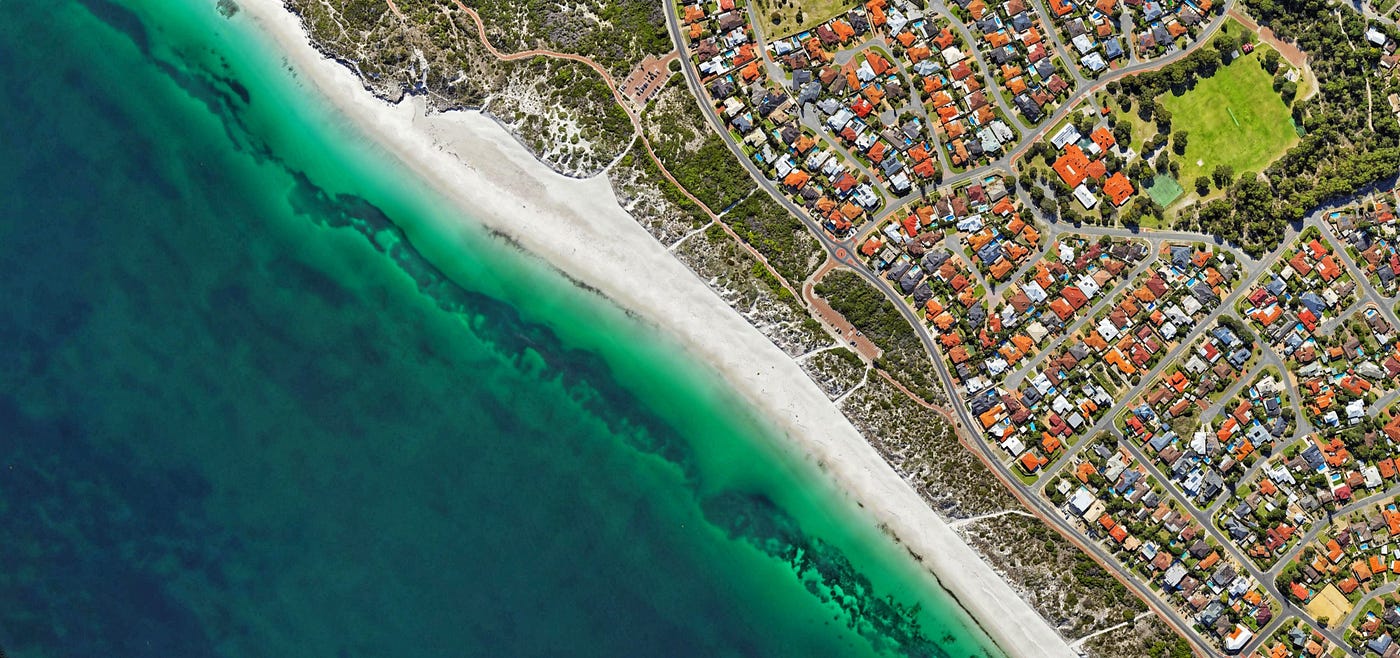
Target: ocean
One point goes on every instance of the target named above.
(257, 400)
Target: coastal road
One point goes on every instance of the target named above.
(981, 448)
(840, 252)
(1027, 495)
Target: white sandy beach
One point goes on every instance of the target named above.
(578, 226)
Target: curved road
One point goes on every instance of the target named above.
(841, 251)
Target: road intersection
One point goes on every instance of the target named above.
(841, 251)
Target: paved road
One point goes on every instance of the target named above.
(1356, 611)
(1028, 495)
(989, 454)
(988, 81)
(1383, 304)
(1108, 298)
(1301, 427)
(1053, 34)
(1008, 162)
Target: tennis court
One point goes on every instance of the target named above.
(1164, 190)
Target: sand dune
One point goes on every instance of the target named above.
(579, 227)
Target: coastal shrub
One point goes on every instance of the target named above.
(781, 237)
(865, 307)
(709, 171)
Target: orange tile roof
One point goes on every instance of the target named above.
(1084, 471)
(1097, 170)
(750, 72)
(1072, 166)
(1103, 138)
(1118, 188)
(843, 30)
(1210, 560)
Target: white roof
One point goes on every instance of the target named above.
(1034, 292)
(1085, 197)
(1080, 501)
(1106, 330)
(1066, 136)
(1238, 639)
(1087, 285)
(865, 72)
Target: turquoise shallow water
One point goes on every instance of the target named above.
(257, 399)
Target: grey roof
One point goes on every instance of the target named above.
(1313, 456)
(1112, 48)
(976, 316)
(897, 270)
(934, 259)
(990, 253)
(1313, 302)
(923, 293)
(910, 279)
(1181, 256)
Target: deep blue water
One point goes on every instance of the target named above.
(243, 414)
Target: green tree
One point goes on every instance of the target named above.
(1123, 132)
(1179, 142)
(1270, 61)
(1140, 171)
(1202, 185)
(1222, 175)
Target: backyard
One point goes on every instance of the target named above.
(1233, 118)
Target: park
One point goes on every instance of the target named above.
(1233, 118)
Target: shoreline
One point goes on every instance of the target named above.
(577, 226)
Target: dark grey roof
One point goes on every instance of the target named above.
(910, 279)
(897, 270)
(934, 259)
(976, 316)
(1027, 106)
(923, 293)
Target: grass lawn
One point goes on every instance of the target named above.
(1233, 118)
(814, 13)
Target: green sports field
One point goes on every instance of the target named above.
(1244, 89)
(1164, 190)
